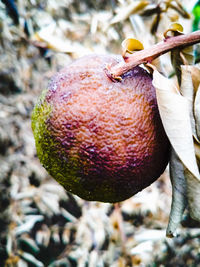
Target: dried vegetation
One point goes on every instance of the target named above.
(41, 224)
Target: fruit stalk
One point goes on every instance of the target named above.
(151, 53)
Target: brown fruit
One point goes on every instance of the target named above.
(102, 140)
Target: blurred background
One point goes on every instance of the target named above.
(40, 223)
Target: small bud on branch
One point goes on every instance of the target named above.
(149, 54)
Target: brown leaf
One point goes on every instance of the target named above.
(155, 23)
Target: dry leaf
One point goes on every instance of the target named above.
(188, 54)
(187, 90)
(129, 45)
(193, 193)
(30, 259)
(192, 96)
(179, 8)
(197, 151)
(179, 57)
(174, 112)
(155, 23)
(54, 37)
(197, 112)
(150, 10)
(174, 28)
(125, 12)
(195, 72)
(179, 198)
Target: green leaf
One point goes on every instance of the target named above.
(196, 13)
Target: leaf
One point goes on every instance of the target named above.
(188, 53)
(158, 64)
(179, 57)
(61, 262)
(31, 259)
(130, 45)
(180, 9)
(193, 194)
(187, 90)
(195, 76)
(175, 115)
(174, 112)
(42, 237)
(53, 37)
(197, 112)
(149, 235)
(197, 151)
(29, 243)
(30, 221)
(68, 215)
(182, 57)
(195, 72)
(177, 61)
(174, 28)
(179, 199)
(150, 10)
(125, 12)
(155, 23)
(138, 24)
(12, 10)
(196, 13)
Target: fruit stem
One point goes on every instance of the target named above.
(150, 53)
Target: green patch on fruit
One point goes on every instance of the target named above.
(49, 150)
(52, 155)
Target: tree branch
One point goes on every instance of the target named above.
(149, 54)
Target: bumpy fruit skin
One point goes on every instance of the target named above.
(102, 140)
